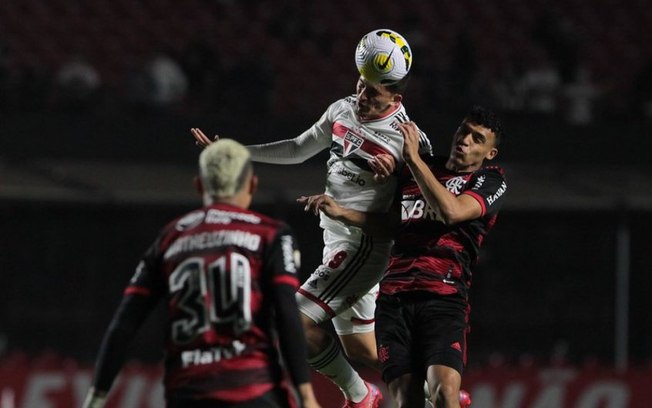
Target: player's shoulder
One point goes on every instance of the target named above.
(266, 220)
(434, 160)
(492, 169)
(343, 106)
(346, 103)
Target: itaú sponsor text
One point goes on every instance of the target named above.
(559, 388)
(139, 386)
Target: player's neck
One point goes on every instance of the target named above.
(460, 168)
(238, 200)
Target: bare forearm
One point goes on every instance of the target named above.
(436, 195)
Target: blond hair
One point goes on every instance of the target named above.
(223, 168)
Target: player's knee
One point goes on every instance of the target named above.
(307, 322)
(364, 355)
(446, 393)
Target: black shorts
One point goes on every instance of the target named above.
(417, 330)
(277, 398)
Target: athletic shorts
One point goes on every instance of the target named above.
(344, 287)
(418, 330)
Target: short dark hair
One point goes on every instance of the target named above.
(399, 87)
(485, 117)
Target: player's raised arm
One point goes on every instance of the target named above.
(452, 209)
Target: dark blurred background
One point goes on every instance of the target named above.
(97, 98)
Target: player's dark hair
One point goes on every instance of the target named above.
(399, 87)
(487, 118)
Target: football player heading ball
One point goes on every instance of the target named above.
(361, 132)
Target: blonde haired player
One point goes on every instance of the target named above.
(228, 276)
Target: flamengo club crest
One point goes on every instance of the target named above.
(352, 142)
(455, 185)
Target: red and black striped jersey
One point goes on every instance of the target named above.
(216, 268)
(429, 255)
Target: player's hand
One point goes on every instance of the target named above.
(321, 202)
(410, 134)
(311, 403)
(383, 166)
(94, 399)
(308, 396)
(201, 139)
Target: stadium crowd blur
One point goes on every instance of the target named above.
(553, 68)
(576, 59)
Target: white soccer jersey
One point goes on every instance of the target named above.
(352, 142)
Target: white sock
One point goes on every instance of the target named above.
(333, 364)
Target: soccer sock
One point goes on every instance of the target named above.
(333, 364)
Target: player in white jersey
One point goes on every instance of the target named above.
(362, 134)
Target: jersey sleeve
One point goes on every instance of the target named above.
(140, 297)
(488, 187)
(283, 266)
(298, 149)
(147, 279)
(284, 259)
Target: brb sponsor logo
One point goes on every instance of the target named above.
(417, 209)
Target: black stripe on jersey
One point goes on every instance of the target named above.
(424, 144)
(402, 117)
(349, 271)
(361, 163)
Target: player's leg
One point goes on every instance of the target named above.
(355, 328)
(327, 358)
(406, 391)
(442, 324)
(444, 384)
(361, 347)
(351, 267)
(401, 370)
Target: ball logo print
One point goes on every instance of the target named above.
(383, 57)
(384, 63)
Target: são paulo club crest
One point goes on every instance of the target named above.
(352, 142)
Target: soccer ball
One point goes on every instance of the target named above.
(383, 57)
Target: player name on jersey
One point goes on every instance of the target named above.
(213, 239)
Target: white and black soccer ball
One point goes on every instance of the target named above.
(383, 57)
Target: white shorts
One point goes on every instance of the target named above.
(344, 288)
